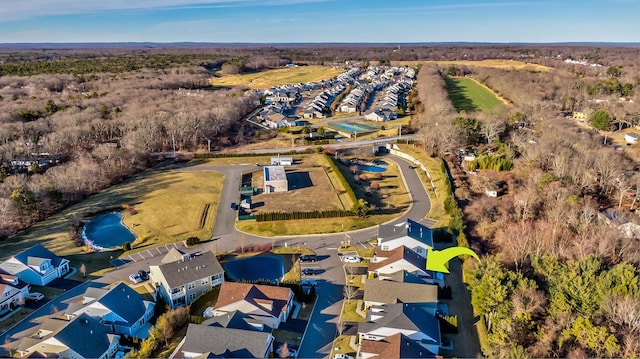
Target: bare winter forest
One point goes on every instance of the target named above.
(559, 276)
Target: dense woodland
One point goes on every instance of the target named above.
(555, 280)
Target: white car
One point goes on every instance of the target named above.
(135, 278)
(35, 296)
(342, 356)
(351, 259)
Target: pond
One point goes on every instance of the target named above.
(371, 168)
(106, 231)
(267, 267)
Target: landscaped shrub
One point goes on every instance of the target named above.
(343, 181)
(192, 241)
(126, 246)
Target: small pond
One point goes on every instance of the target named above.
(267, 267)
(371, 168)
(106, 231)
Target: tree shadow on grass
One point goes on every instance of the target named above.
(457, 96)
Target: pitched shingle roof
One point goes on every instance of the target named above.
(413, 230)
(382, 291)
(125, 302)
(38, 251)
(397, 254)
(225, 342)
(262, 296)
(190, 270)
(236, 320)
(395, 346)
(403, 316)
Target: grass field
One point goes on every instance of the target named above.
(395, 201)
(169, 206)
(276, 77)
(493, 63)
(469, 96)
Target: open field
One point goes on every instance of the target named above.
(314, 192)
(469, 96)
(169, 206)
(276, 77)
(493, 63)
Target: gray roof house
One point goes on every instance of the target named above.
(379, 292)
(415, 236)
(181, 278)
(12, 291)
(238, 320)
(402, 258)
(121, 309)
(36, 265)
(416, 321)
(219, 342)
(81, 337)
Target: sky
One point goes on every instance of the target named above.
(286, 21)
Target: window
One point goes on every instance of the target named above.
(192, 296)
(205, 281)
(191, 286)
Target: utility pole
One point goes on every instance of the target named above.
(400, 132)
(209, 145)
(173, 139)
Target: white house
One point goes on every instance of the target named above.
(181, 278)
(36, 265)
(414, 235)
(120, 308)
(415, 321)
(12, 292)
(78, 338)
(270, 305)
(281, 161)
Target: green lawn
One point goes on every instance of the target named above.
(276, 77)
(469, 96)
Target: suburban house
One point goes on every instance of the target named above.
(394, 346)
(13, 291)
(36, 265)
(78, 338)
(275, 179)
(204, 341)
(415, 321)
(276, 120)
(402, 258)
(122, 309)
(379, 292)
(380, 115)
(270, 305)
(181, 278)
(402, 276)
(415, 236)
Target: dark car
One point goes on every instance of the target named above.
(308, 258)
(234, 206)
(310, 271)
(143, 274)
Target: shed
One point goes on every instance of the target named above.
(281, 161)
(631, 138)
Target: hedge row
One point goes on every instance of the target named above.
(227, 155)
(343, 181)
(282, 216)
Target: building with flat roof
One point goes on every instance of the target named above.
(275, 179)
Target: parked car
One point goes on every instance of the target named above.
(143, 274)
(35, 296)
(308, 258)
(342, 356)
(234, 206)
(310, 271)
(135, 278)
(351, 259)
(293, 352)
(308, 283)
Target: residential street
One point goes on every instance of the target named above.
(321, 329)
